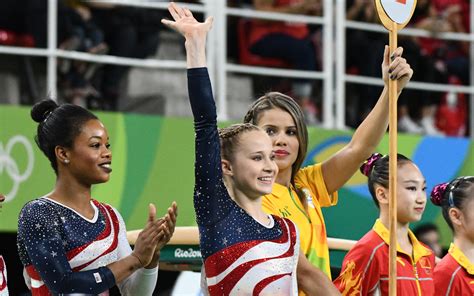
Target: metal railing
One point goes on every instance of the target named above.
(333, 75)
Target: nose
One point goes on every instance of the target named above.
(280, 140)
(107, 153)
(421, 198)
(270, 166)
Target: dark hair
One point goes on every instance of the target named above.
(277, 100)
(425, 228)
(377, 170)
(58, 126)
(454, 194)
(229, 138)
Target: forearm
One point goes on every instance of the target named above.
(141, 282)
(196, 51)
(313, 281)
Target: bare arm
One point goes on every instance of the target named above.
(312, 280)
(338, 169)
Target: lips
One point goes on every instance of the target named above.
(266, 179)
(281, 152)
(106, 166)
(420, 210)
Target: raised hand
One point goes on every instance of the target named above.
(185, 23)
(148, 238)
(395, 67)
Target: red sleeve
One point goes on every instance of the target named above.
(359, 273)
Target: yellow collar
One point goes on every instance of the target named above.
(419, 250)
(460, 258)
(279, 190)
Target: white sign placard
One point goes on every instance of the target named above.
(398, 11)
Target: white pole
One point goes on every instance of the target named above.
(328, 96)
(340, 64)
(209, 10)
(221, 35)
(52, 45)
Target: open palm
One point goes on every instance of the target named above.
(185, 23)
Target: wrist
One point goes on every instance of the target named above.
(138, 262)
(154, 262)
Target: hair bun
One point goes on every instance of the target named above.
(43, 109)
(367, 166)
(437, 193)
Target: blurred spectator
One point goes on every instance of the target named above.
(129, 32)
(76, 30)
(290, 42)
(428, 234)
(451, 117)
(417, 109)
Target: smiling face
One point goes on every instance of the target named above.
(252, 167)
(90, 158)
(411, 193)
(281, 128)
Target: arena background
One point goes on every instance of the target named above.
(153, 162)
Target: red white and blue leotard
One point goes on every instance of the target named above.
(65, 253)
(3, 277)
(241, 256)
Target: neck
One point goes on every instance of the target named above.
(73, 194)
(284, 177)
(466, 246)
(253, 206)
(402, 229)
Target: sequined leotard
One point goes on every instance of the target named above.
(241, 256)
(65, 253)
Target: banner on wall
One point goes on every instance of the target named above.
(153, 161)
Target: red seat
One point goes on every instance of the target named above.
(248, 58)
(11, 38)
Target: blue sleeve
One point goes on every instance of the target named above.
(211, 201)
(39, 233)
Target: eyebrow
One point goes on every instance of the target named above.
(97, 137)
(271, 125)
(415, 181)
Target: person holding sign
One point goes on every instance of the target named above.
(365, 269)
(70, 243)
(454, 274)
(300, 193)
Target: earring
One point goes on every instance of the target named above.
(66, 161)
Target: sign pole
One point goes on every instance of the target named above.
(394, 15)
(392, 185)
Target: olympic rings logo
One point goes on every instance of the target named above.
(10, 166)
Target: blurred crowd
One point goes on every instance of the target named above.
(101, 28)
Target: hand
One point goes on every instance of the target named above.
(167, 229)
(148, 238)
(185, 23)
(398, 69)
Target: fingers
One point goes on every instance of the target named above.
(209, 21)
(169, 23)
(397, 53)
(173, 9)
(151, 212)
(188, 12)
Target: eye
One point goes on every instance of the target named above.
(291, 132)
(95, 145)
(424, 188)
(272, 157)
(270, 131)
(107, 146)
(257, 158)
(411, 188)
